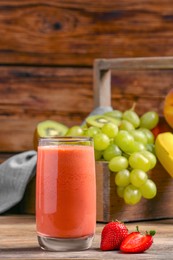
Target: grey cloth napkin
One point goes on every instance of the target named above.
(15, 173)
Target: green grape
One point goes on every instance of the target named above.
(75, 131)
(151, 157)
(149, 189)
(98, 155)
(84, 126)
(118, 163)
(139, 161)
(84, 131)
(126, 125)
(149, 120)
(120, 191)
(132, 195)
(101, 141)
(111, 140)
(139, 136)
(110, 130)
(132, 117)
(126, 155)
(150, 148)
(92, 130)
(149, 135)
(138, 177)
(122, 178)
(111, 151)
(137, 147)
(114, 113)
(124, 140)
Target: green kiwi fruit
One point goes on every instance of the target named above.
(49, 128)
(100, 120)
(114, 113)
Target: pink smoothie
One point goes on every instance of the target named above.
(65, 191)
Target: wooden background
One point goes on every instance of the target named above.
(47, 49)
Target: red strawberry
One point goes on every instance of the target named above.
(136, 242)
(112, 235)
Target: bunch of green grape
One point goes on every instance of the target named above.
(127, 144)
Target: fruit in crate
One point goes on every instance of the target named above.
(132, 117)
(48, 128)
(115, 114)
(165, 123)
(161, 127)
(124, 140)
(149, 120)
(128, 146)
(74, 131)
(164, 150)
(168, 108)
(100, 120)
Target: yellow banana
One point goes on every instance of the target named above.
(164, 151)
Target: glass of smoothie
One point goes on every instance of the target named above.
(65, 193)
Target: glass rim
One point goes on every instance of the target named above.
(66, 138)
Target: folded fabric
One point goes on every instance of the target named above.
(15, 173)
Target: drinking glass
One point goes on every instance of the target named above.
(65, 193)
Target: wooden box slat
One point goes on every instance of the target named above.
(113, 207)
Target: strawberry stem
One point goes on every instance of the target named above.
(152, 232)
(137, 228)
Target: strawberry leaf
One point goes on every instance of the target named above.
(152, 232)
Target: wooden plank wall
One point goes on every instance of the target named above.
(47, 49)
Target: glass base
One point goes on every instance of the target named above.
(65, 244)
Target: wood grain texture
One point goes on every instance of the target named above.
(33, 94)
(113, 207)
(30, 95)
(142, 69)
(18, 241)
(47, 49)
(5, 156)
(76, 32)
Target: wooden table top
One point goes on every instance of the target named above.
(18, 241)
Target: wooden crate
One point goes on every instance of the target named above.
(109, 205)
